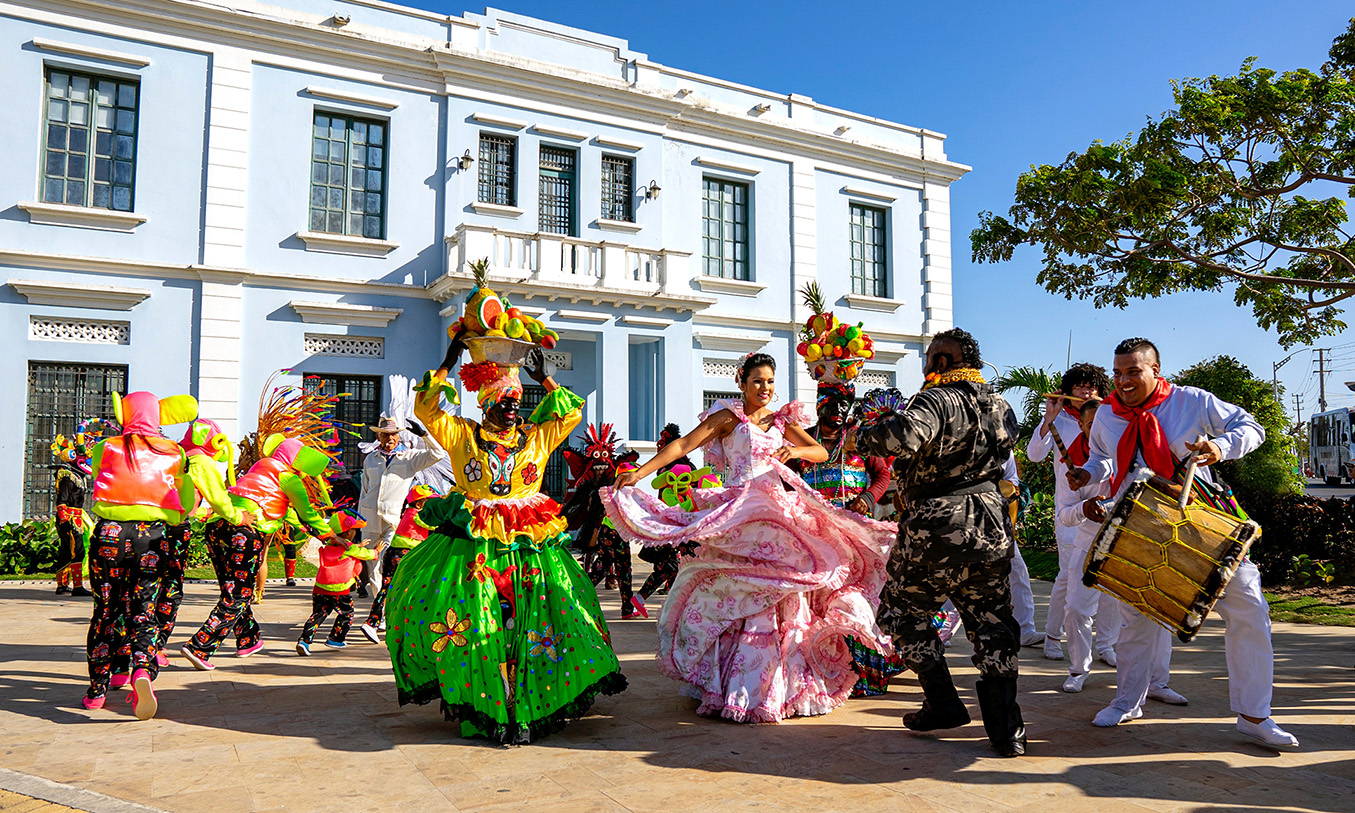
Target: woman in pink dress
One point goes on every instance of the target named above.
(754, 625)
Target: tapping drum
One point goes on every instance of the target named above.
(1169, 564)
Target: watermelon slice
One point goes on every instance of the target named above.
(487, 310)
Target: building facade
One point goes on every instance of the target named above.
(199, 195)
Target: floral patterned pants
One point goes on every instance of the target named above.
(171, 582)
(390, 560)
(125, 568)
(322, 604)
(613, 559)
(235, 553)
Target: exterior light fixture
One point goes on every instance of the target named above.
(652, 191)
(465, 161)
(762, 108)
(340, 20)
(842, 130)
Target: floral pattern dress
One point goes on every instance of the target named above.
(491, 614)
(756, 624)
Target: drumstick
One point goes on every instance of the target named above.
(1058, 441)
(1190, 475)
(1072, 398)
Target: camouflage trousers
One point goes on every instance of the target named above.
(981, 593)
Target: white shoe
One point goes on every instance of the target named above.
(1107, 657)
(1052, 650)
(1166, 695)
(1073, 684)
(382, 626)
(370, 631)
(1111, 716)
(1267, 732)
(1032, 639)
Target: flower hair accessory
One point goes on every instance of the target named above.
(738, 369)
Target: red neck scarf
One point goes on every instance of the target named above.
(1071, 411)
(1079, 451)
(1144, 432)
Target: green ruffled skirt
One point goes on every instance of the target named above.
(512, 642)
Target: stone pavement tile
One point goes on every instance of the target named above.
(512, 792)
(351, 781)
(216, 800)
(11, 802)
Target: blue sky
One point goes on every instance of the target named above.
(1011, 84)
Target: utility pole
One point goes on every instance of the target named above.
(1274, 371)
(1298, 418)
(1322, 378)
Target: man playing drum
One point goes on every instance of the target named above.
(1150, 423)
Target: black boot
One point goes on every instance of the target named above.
(1002, 715)
(941, 706)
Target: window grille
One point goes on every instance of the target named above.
(89, 140)
(85, 331)
(553, 480)
(498, 170)
(365, 347)
(60, 396)
(868, 250)
(869, 379)
(709, 397)
(618, 184)
(724, 219)
(348, 176)
(716, 368)
(360, 404)
(557, 190)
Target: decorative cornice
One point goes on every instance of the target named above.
(872, 303)
(520, 287)
(733, 287)
(498, 121)
(644, 321)
(617, 143)
(84, 217)
(497, 210)
(345, 244)
(339, 313)
(728, 166)
(90, 52)
(351, 97)
(859, 192)
(583, 316)
(617, 225)
(104, 297)
(559, 132)
(731, 342)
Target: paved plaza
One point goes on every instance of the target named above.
(281, 732)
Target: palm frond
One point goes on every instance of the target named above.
(1034, 382)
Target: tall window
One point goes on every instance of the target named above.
(498, 170)
(558, 186)
(725, 228)
(89, 142)
(348, 176)
(646, 388)
(868, 251)
(360, 404)
(553, 479)
(618, 183)
(59, 397)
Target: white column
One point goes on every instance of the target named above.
(937, 314)
(613, 378)
(804, 252)
(224, 239)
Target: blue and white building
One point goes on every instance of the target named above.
(196, 195)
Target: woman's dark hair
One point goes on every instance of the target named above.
(969, 346)
(753, 361)
(1085, 374)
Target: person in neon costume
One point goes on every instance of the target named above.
(141, 490)
(267, 490)
(340, 567)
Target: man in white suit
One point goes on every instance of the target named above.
(387, 475)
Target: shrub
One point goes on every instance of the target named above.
(28, 547)
(1320, 534)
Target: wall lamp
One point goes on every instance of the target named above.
(464, 162)
(340, 20)
(758, 110)
(652, 191)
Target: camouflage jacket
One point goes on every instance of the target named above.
(951, 438)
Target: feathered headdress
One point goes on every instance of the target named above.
(600, 446)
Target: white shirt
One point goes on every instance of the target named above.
(1070, 517)
(1038, 449)
(386, 483)
(1009, 470)
(1186, 414)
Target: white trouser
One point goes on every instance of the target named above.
(1085, 603)
(1023, 600)
(1246, 644)
(378, 541)
(1053, 623)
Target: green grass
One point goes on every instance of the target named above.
(304, 569)
(1310, 610)
(1042, 564)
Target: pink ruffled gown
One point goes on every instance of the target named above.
(755, 623)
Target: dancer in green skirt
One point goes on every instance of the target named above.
(491, 614)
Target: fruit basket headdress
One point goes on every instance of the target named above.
(498, 336)
(833, 350)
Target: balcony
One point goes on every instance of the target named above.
(570, 269)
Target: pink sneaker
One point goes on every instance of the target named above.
(93, 703)
(120, 680)
(639, 606)
(161, 660)
(199, 662)
(144, 704)
(249, 650)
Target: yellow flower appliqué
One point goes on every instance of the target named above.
(451, 632)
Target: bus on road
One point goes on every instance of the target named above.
(1329, 446)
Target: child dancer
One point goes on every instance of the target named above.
(664, 558)
(756, 625)
(140, 491)
(408, 534)
(340, 565)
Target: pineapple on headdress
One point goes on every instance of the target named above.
(834, 351)
(497, 335)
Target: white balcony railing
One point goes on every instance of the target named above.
(556, 259)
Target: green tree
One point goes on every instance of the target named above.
(1035, 382)
(1240, 185)
(1269, 470)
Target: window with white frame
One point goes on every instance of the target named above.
(498, 170)
(724, 235)
(618, 184)
(348, 176)
(89, 140)
(645, 388)
(869, 251)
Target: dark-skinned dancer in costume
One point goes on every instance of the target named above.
(955, 539)
(492, 615)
